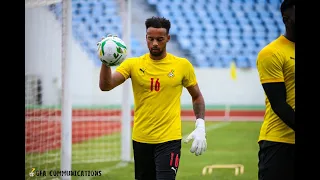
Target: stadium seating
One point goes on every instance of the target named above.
(212, 32)
(215, 32)
(92, 20)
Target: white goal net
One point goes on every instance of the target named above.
(96, 135)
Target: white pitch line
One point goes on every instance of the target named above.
(124, 164)
(212, 127)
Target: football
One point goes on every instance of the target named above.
(112, 51)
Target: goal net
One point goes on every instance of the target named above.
(97, 135)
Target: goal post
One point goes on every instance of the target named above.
(43, 123)
(126, 103)
(66, 105)
(69, 122)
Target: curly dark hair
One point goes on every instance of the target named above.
(158, 22)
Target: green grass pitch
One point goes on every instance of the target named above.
(228, 143)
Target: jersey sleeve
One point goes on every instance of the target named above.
(125, 68)
(269, 65)
(189, 78)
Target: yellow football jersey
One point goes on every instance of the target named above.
(275, 63)
(157, 87)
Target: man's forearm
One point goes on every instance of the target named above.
(277, 95)
(105, 81)
(199, 107)
(285, 113)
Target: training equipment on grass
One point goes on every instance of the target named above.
(238, 168)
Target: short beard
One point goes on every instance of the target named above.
(157, 54)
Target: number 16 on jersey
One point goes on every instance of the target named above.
(154, 84)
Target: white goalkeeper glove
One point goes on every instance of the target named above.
(103, 37)
(199, 144)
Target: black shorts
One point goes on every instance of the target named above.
(156, 161)
(276, 161)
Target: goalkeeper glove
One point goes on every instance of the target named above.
(199, 144)
(102, 38)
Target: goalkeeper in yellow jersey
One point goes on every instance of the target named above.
(157, 79)
(275, 64)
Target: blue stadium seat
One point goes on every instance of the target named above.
(215, 15)
(261, 7)
(261, 2)
(275, 3)
(227, 14)
(164, 12)
(222, 33)
(237, 45)
(248, 7)
(229, 28)
(235, 33)
(261, 42)
(236, 6)
(185, 43)
(258, 25)
(243, 22)
(152, 2)
(226, 59)
(247, 29)
(273, 35)
(209, 28)
(242, 61)
(202, 59)
(252, 14)
(216, 62)
(247, 37)
(92, 20)
(240, 14)
(260, 34)
(252, 60)
(232, 21)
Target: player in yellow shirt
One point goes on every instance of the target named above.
(157, 80)
(275, 64)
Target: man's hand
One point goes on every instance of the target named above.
(199, 144)
(103, 37)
